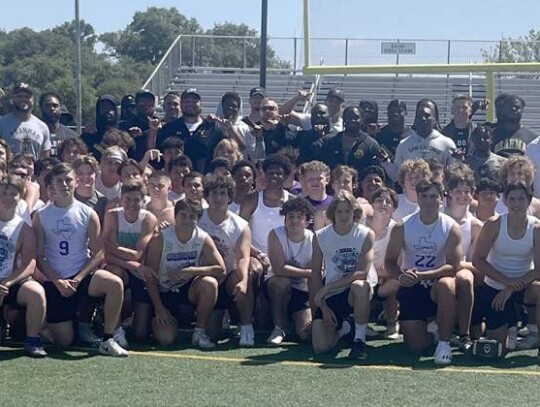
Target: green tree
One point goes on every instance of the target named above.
(150, 33)
(521, 49)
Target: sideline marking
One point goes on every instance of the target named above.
(448, 369)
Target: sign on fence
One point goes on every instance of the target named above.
(403, 48)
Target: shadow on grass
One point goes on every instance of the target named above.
(14, 351)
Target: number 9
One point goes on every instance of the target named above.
(64, 247)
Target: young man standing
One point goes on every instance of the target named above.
(429, 246)
(69, 253)
(18, 248)
(232, 236)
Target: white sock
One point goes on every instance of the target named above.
(360, 332)
(345, 329)
(199, 330)
(444, 343)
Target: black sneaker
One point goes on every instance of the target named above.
(358, 350)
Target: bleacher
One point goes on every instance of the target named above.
(213, 83)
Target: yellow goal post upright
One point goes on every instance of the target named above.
(488, 68)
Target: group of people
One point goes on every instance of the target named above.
(304, 220)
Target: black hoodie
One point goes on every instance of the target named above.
(93, 140)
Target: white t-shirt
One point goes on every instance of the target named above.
(31, 136)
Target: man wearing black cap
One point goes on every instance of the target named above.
(23, 131)
(200, 136)
(335, 100)
(106, 119)
(139, 125)
(256, 95)
(128, 108)
(50, 104)
(320, 127)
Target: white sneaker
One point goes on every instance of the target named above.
(511, 341)
(276, 337)
(200, 339)
(86, 336)
(529, 342)
(370, 332)
(120, 337)
(392, 330)
(111, 348)
(443, 354)
(433, 329)
(524, 331)
(247, 336)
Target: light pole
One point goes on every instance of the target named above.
(78, 67)
(264, 40)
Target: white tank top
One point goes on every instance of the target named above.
(23, 211)
(298, 254)
(466, 236)
(234, 207)
(502, 209)
(380, 245)
(176, 255)
(424, 245)
(9, 237)
(263, 220)
(512, 258)
(66, 237)
(404, 208)
(340, 253)
(109, 192)
(225, 235)
(129, 233)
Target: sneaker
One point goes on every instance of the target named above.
(433, 329)
(392, 330)
(443, 354)
(202, 340)
(529, 342)
(524, 331)
(276, 337)
(111, 348)
(120, 337)
(34, 349)
(86, 336)
(464, 342)
(358, 350)
(511, 340)
(247, 336)
(370, 332)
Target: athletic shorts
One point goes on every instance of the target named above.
(415, 303)
(508, 316)
(62, 309)
(299, 299)
(11, 298)
(173, 299)
(139, 292)
(224, 300)
(339, 303)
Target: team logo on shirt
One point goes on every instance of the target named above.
(7, 250)
(346, 260)
(65, 229)
(358, 153)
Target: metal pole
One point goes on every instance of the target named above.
(264, 40)
(307, 40)
(490, 95)
(78, 80)
(346, 51)
(295, 50)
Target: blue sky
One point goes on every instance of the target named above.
(453, 19)
(411, 19)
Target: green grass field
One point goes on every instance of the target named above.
(289, 375)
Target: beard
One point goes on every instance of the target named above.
(51, 117)
(22, 107)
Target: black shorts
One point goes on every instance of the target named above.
(62, 309)
(299, 299)
(11, 298)
(339, 303)
(415, 303)
(173, 299)
(139, 292)
(224, 300)
(508, 316)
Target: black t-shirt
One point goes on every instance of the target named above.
(140, 142)
(97, 202)
(304, 141)
(388, 140)
(199, 144)
(462, 137)
(276, 138)
(507, 143)
(364, 152)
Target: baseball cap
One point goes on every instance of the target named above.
(128, 100)
(22, 88)
(190, 91)
(398, 104)
(258, 91)
(144, 93)
(115, 153)
(336, 93)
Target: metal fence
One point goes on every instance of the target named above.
(236, 53)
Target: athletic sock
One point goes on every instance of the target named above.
(198, 330)
(444, 343)
(360, 332)
(345, 329)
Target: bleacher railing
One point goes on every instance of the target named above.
(206, 52)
